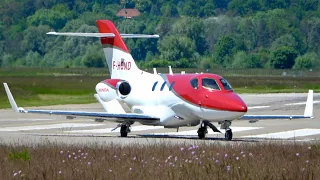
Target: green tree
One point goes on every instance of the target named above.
(174, 48)
(306, 61)
(244, 60)
(283, 57)
(223, 50)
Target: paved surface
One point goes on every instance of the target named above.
(30, 128)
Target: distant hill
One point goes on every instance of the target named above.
(207, 33)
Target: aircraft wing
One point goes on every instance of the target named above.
(308, 112)
(72, 114)
(100, 35)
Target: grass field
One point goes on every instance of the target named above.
(52, 90)
(161, 161)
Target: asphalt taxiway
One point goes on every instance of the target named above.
(17, 128)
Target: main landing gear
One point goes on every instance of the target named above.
(202, 131)
(124, 129)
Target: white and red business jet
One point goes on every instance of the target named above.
(169, 100)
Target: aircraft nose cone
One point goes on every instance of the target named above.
(236, 104)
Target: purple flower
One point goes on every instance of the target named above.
(217, 161)
(61, 152)
(115, 156)
(228, 168)
(85, 157)
(75, 157)
(181, 149)
(73, 153)
(226, 155)
(193, 152)
(130, 169)
(250, 154)
(82, 154)
(15, 174)
(63, 161)
(69, 156)
(19, 171)
(244, 155)
(89, 163)
(79, 151)
(60, 172)
(237, 158)
(241, 152)
(134, 158)
(218, 154)
(200, 162)
(297, 154)
(110, 170)
(309, 147)
(307, 161)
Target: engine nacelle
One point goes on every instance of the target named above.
(123, 89)
(112, 89)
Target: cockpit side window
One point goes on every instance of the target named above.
(194, 83)
(226, 84)
(210, 84)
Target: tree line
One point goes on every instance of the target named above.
(281, 34)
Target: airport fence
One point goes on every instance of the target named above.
(37, 71)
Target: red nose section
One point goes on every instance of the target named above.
(234, 103)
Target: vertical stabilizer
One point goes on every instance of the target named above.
(120, 62)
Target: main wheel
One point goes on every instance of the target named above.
(123, 131)
(228, 134)
(202, 133)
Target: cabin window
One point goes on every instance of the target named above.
(163, 86)
(154, 85)
(194, 83)
(171, 86)
(210, 84)
(226, 84)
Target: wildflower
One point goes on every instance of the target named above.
(237, 158)
(250, 154)
(218, 154)
(193, 152)
(176, 158)
(19, 171)
(307, 161)
(86, 154)
(15, 174)
(200, 162)
(228, 168)
(217, 161)
(130, 169)
(75, 157)
(85, 157)
(63, 161)
(60, 172)
(61, 152)
(203, 152)
(69, 156)
(309, 147)
(115, 156)
(170, 164)
(190, 161)
(89, 163)
(297, 154)
(134, 158)
(79, 151)
(226, 155)
(110, 170)
(73, 153)
(197, 158)
(82, 154)
(213, 158)
(181, 149)
(244, 155)
(241, 152)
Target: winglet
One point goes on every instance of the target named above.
(11, 99)
(170, 70)
(309, 106)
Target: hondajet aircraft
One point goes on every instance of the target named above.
(169, 100)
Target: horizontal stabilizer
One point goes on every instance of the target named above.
(100, 35)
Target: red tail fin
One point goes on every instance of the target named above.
(106, 26)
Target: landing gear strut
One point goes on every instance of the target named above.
(202, 131)
(124, 130)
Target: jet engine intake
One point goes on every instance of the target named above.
(123, 89)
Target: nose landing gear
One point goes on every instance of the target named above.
(226, 125)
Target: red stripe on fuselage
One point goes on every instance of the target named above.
(106, 26)
(222, 99)
(112, 82)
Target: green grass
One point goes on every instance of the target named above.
(260, 160)
(53, 90)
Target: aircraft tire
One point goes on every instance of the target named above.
(228, 135)
(123, 131)
(202, 133)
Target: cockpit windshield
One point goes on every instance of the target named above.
(209, 83)
(226, 84)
